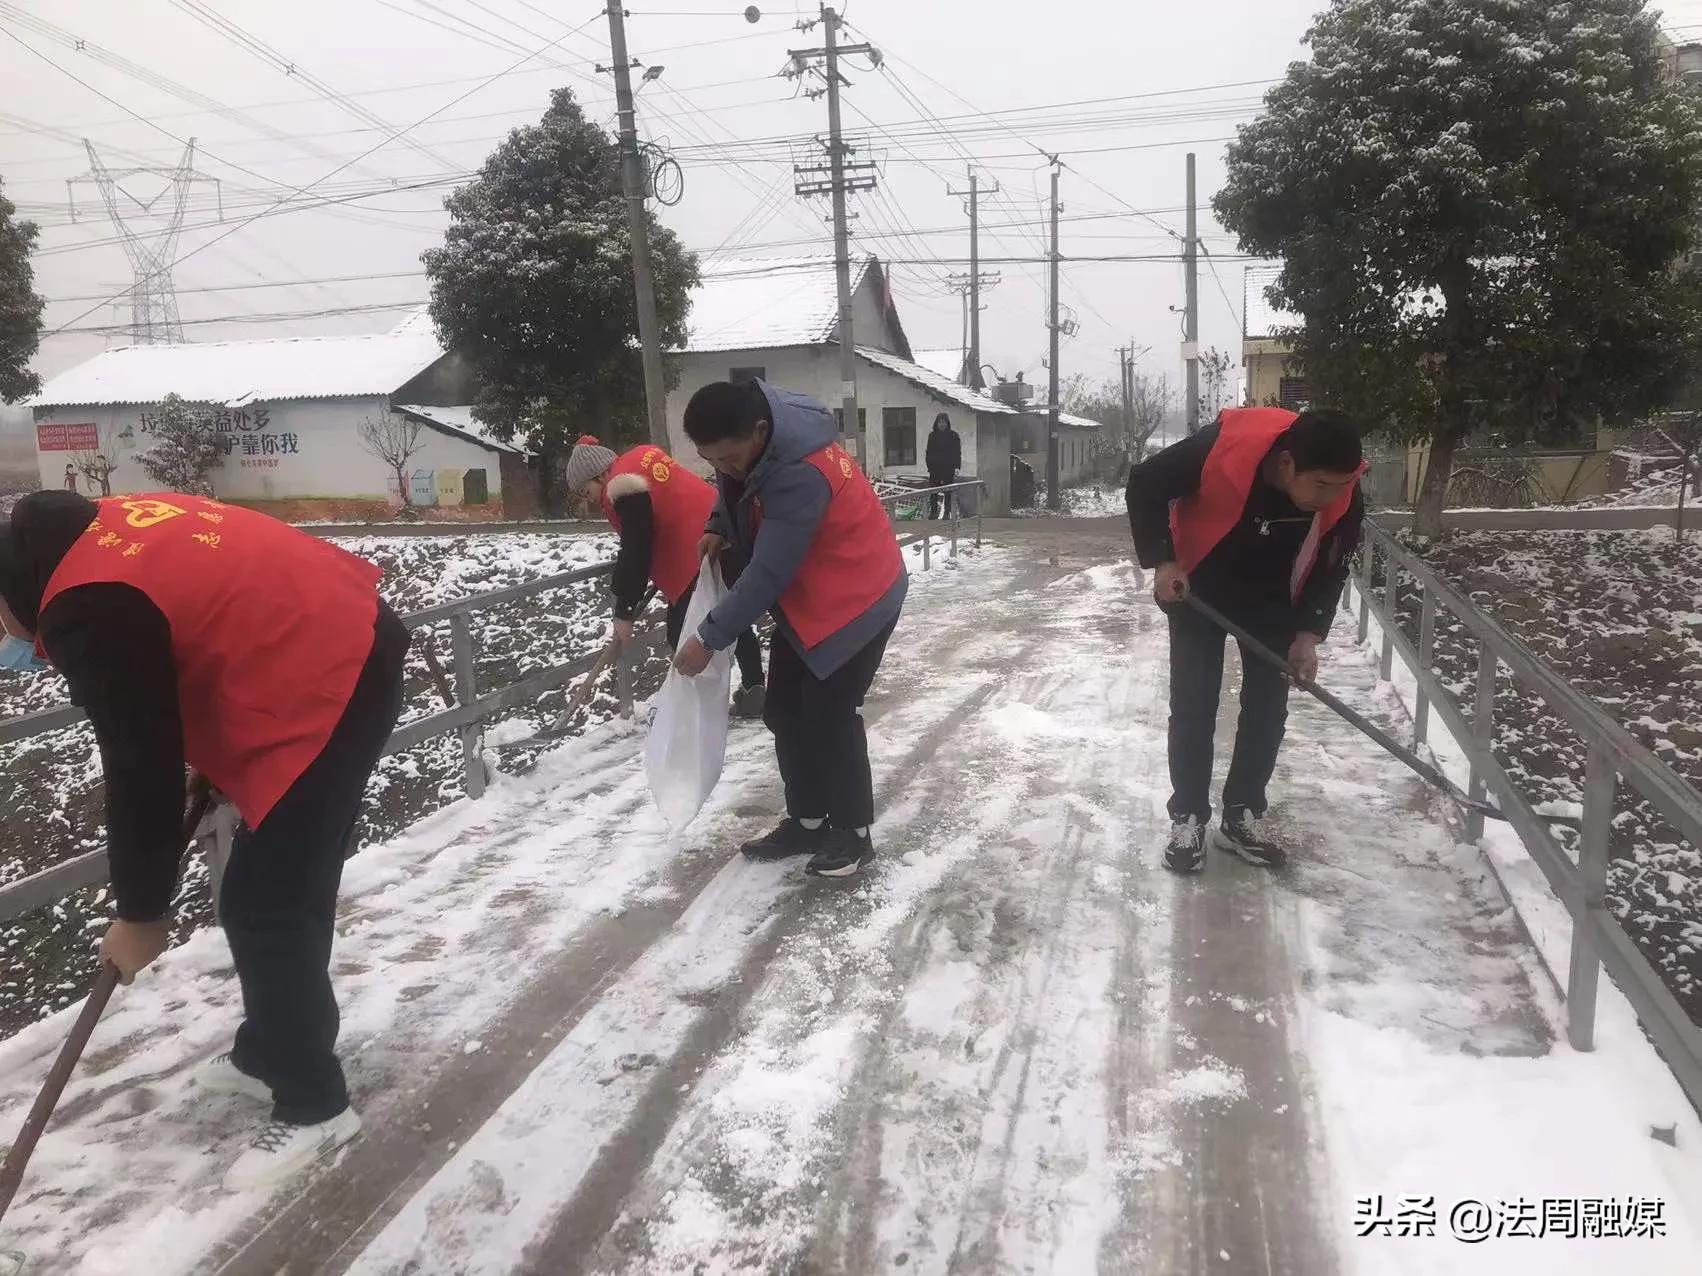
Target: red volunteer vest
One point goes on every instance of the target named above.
(853, 560)
(1244, 438)
(679, 507)
(270, 628)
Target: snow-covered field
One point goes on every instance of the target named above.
(1016, 1045)
(1619, 615)
(54, 810)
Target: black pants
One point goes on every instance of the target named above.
(747, 650)
(819, 738)
(939, 504)
(1196, 677)
(278, 904)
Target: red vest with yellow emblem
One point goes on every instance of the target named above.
(270, 628)
(680, 503)
(1245, 437)
(853, 559)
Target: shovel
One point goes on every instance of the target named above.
(1418, 764)
(12, 1172)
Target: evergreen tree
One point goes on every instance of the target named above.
(533, 285)
(1482, 207)
(20, 307)
(185, 449)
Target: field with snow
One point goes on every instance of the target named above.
(53, 782)
(1619, 614)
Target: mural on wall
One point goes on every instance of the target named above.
(244, 433)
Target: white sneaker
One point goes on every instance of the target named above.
(220, 1076)
(281, 1150)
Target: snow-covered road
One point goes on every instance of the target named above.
(1017, 1046)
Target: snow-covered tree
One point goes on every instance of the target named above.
(20, 307)
(1482, 207)
(533, 285)
(185, 448)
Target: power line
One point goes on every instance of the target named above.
(456, 101)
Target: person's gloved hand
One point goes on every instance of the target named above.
(131, 947)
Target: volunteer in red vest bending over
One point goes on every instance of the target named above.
(659, 508)
(197, 633)
(1258, 514)
(820, 555)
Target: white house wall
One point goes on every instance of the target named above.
(290, 450)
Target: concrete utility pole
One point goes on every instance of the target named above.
(1054, 498)
(1191, 316)
(843, 178)
(1126, 361)
(970, 373)
(632, 185)
(841, 238)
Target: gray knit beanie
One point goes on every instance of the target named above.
(589, 459)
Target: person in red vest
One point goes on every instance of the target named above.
(820, 556)
(1258, 514)
(659, 508)
(198, 634)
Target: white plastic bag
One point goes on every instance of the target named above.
(688, 735)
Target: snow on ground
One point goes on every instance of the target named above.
(1091, 500)
(1017, 1045)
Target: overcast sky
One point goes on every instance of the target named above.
(1183, 76)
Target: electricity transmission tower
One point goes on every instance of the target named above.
(151, 248)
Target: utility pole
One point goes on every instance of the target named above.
(632, 185)
(1054, 498)
(1191, 316)
(970, 373)
(1126, 361)
(843, 178)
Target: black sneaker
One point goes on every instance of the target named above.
(749, 702)
(787, 839)
(845, 855)
(1186, 850)
(1249, 836)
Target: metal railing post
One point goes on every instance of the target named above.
(1367, 558)
(466, 692)
(1426, 656)
(1483, 732)
(1391, 575)
(954, 518)
(1585, 972)
(927, 552)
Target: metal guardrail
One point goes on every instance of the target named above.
(1598, 940)
(464, 717)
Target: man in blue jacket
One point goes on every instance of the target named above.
(820, 555)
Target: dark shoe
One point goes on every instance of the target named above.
(749, 702)
(1249, 836)
(1186, 850)
(845, 855)
(788, 838)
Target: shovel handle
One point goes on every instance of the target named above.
(41, 1112)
